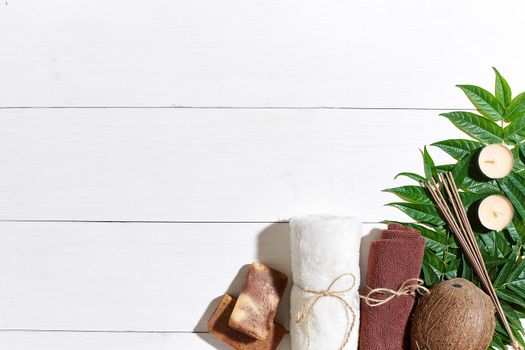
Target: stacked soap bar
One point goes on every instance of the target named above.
(257, 305)
(248, 323)
(218, 326)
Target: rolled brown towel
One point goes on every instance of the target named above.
(392, 260)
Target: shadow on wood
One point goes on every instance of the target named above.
(366, 240)
(233, 289)
(273, 249)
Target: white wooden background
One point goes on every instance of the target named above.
(149, 150)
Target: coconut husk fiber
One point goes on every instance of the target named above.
(394, 259)
(455, 315)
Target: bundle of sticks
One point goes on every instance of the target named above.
(456, 217)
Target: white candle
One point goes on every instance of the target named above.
(496, 161)
(495, 212)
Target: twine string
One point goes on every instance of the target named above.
(306, 310)
(411, 287)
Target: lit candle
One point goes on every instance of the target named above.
(495, 212)
(496, 161)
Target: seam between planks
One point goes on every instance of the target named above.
(242, 108)
(30, 330)
(160, 222)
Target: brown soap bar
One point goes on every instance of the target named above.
(218, 326)
(257, 305)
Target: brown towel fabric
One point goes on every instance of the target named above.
(394, 259)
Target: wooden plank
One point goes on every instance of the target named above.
(208, 165)
(112, 341)
(361, 53)
(132, 277)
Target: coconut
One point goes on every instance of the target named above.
(455, 315)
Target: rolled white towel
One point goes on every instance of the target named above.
(325, 249)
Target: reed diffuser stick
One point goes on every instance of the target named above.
(446, 196)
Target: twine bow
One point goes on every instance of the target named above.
(307, 309)
(409, 287)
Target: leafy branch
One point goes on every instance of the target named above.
(499, 119)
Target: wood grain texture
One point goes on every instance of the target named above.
(104, 341)
(202, 165)
(361, 53)
(132, 277)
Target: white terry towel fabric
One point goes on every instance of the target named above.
(324, 248)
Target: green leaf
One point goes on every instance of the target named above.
(458, 148)
(517, 230)
(510, 297)
(515, 191)
(412, 194)
(518, 181)
(497, 343)
(484, 102)
(516, 279)
(487, 188)
(517, 287)
(518, 334)
(514, 321)
(503, 246)
(495, 244)
(503, 275)
(436, 234)
(453, 261)
(445, 168)
(469, 198)
(451, 270)
(430, 167)
(430, 275)
(493, 261)
(514, 130)
(466, 269)
(503, 92)
(519, 166)
(435, 263)
(460, 170)
(516, 108)
(521, 153)
(513, 233)
(437, 239)
(476, 126)
(419, 212)
(412, 176)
